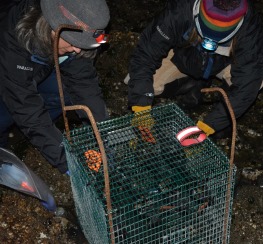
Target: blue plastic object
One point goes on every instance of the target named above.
(16, 175)
(49, 204)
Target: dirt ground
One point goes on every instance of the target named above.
(24, 220)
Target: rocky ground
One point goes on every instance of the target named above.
(24, 220)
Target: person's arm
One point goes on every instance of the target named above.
(82, 83)
(19, 92)
(246, 72)
(154, 44)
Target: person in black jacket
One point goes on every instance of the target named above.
(28, 88)
(200, 39)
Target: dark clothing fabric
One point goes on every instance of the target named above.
(48, 89)
(20, 77)
(168, 31)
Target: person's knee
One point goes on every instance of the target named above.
(4, 139)
(6, 122)
(158, 90)
(225, 75)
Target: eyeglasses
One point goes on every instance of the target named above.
(100, 36)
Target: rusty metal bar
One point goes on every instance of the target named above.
(92, 121)
(232, 154)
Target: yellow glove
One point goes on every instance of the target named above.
(144, 121)
(142, 117)
(205, 128)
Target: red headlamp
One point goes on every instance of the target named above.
(100, 36)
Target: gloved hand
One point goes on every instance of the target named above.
(205, 128)
(194, 134)
(144, 122)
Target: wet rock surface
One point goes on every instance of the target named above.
(24, 220)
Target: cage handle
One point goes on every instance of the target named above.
(92, 121)
(232, 153)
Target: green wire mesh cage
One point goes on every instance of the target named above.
(160, 192)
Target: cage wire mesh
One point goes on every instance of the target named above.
(160, 192)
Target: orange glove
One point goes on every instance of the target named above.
(144, 121)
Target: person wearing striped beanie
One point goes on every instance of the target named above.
(219, 20)
(189, 44)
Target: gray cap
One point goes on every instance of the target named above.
(88, 14)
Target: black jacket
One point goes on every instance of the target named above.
(18, 88)
(169, 31)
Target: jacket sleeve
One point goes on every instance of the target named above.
(20, 94)
(82, 84)
(246, 73)
(154, 44)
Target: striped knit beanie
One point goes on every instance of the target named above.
(219, 18)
